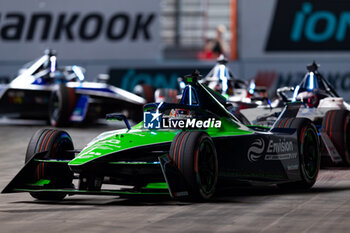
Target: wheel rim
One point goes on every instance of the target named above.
(310, 153)
(207, 167)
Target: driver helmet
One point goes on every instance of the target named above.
(220, 77)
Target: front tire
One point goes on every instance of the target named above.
(58, 145)
(194, 154)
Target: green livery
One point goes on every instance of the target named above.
(206, 147)
(120, 140)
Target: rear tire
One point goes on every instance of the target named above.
(194, 154)
(308, 148)
(337, 126)
(61, 105)
(56, 143)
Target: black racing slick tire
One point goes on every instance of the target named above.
(58, 145)
(337, 126)
(308, 148)
(194, 154)
(61, 105)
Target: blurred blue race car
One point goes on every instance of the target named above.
(61, 96)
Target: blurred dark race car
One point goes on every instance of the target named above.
(61, 96)
(324, 107)
(239, 94)
(242, 94)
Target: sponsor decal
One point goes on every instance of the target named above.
(276, 150)
(177, 119)
(47, 26)
(152, 120)
(191, 123)
(181, 194)
(256, 150)
(293, 167)
(280, 156)
(279, 147)
(89, 153)
(103, 30)
(321, 25)
(127, 79)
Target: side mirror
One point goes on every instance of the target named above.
(118, 117)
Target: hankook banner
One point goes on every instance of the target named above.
(83, 30)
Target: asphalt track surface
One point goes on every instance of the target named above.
(325, 208)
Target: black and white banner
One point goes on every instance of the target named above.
(293, 29)
(84, 30)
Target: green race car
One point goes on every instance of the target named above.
(185, 150)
